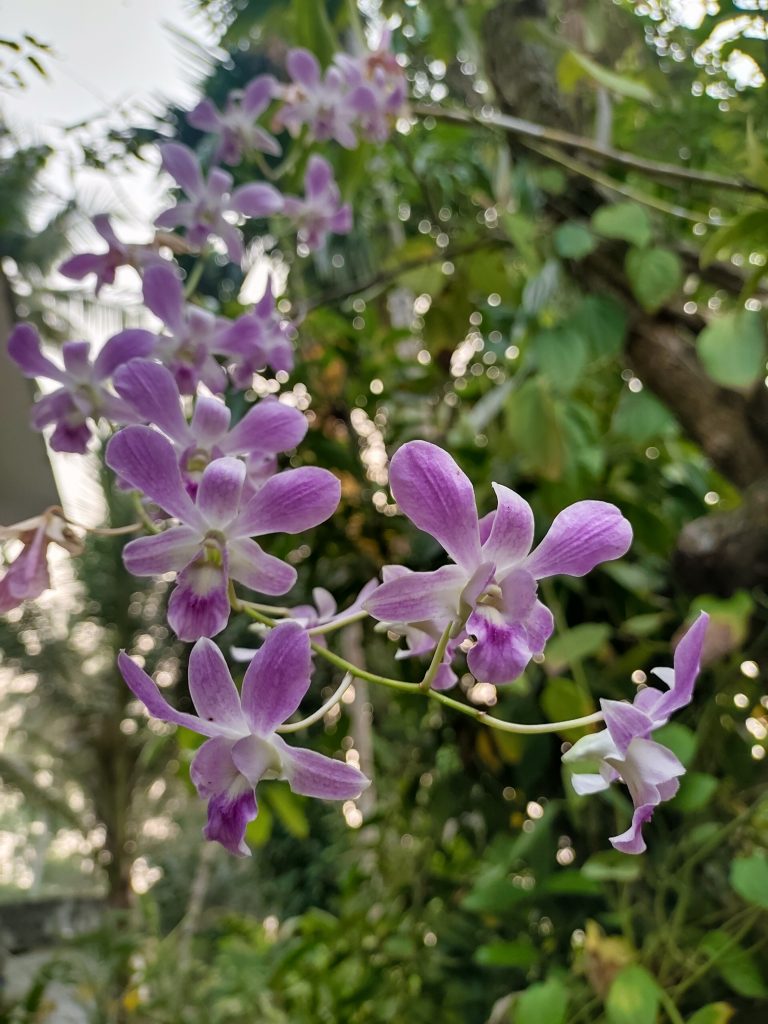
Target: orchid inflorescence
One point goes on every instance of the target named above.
(217, 486)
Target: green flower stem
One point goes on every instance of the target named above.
(194, 275)
(483, 717)
(360, 673)
(141, 512)
(330, 627)
(693, 976)
(321, 712)
(437, 659)
(669, 1007)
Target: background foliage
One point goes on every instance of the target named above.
(564, 322)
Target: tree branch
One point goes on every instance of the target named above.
(541, 133)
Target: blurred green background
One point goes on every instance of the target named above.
(566, 321)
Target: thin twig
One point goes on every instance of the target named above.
(542, 133)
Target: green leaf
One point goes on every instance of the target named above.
(573, 66)
(696, 790)
(574, 241)
(746, 233)
(655, 275)
(533, 422)
(736, 966)
(612, 866)
(603, 322)
(749, 877)
(715, 1013)
(733, 350)
(640, 417)
(633, 997)
(522, 954)
(576, 644)
(627, 221)
(680, 739)
(562, 699)
(545, 1001)
(561, 354)
(287, 807)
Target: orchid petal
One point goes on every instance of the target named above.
(291, 502)
(164, 295)
(210, 422)
(220, 491)
(147, 462)
(199, 605)
(312, 774)
(212, 689)
(581, 536)
(438, 498)
(687, 666)
(24, 348)
(511, 533)
(152, 391)
(145, 690)
(257, 200)
(277, 678)
(181, 163)
(418, 596)
(169, 551)
(254, 568)
(269, 427)
(132, 343)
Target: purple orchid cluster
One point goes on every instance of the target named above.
(212, 487)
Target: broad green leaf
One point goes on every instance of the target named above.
(627, 221)
(737, 967)
(287, 807)
(733, 349)
(696, 790)
(573, 241)
(573, 66)
(655, 275)
(680, 739)
(749, 877)
(745, 233)
(259, 831)
(561, 354)
(602, 320)
(544, 1001)
(534, 427)
(542, 288)
(494, 896)
(715, 1013)
(521, 953)
(576, 644)
(562, 699)
(612, 866)
(633, 997)
(640, 417)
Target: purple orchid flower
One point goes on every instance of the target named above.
(213, 542)
(83, 394)
(27, 576)
(268, 429)
(104, 264)
(236, 127)
(257, 340)
(493, 585)
(203, 214)
(321, 211)
(421, 638)
(321, 102)
(378, 88)
(625, 751)
(324, 612)
(187, 348)
(244, 747)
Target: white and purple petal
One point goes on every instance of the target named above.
(581, 536)
(277, 678)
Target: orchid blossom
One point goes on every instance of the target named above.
(625, 751)
(243, 746)
(492, 586)
(213, 545)
(82, 394)
(266, 430)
